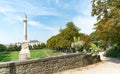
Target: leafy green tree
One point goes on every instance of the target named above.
(63, 40)
(35, 46)
(19, 48)
(39, 46)
(100, 43)
(2, 48)
(30, 47)
(51, 42)
(86, 39)
(42, 45)
(10, 48)
(108, 16)
(94, 38)
(14, 48)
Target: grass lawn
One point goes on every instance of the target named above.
(42, 53)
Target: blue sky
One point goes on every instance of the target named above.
(45, 18)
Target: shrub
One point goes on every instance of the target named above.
(35, 46)
(113, 52)
(77, 46)
(94, 48)
(43, 45)
(38, 46)
(14, 48)
(30, 47)
(2, 48)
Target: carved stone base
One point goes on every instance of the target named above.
(24, 53)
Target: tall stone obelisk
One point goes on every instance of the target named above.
(25, 53)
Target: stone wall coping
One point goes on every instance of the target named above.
(22, 62)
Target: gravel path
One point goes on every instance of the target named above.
(107, 66)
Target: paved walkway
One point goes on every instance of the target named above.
(107, 66)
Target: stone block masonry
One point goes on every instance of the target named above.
(49, 65)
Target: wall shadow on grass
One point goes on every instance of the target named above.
(5, 56)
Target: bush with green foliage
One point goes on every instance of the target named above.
(30, 47)
(14, 48)
(2, 48)
(94, 49)
(37, 46)
(113, 52)
(42, 45)
(77, 46)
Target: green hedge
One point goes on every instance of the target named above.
(13, 48)
(2, 48)
(113, 52)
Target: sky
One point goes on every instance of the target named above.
(45, 18)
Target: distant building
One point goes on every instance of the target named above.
(33, 42)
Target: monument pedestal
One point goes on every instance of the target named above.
(24, 53)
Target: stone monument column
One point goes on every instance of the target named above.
(25, 53)
(25, 27)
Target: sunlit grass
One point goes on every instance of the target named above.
(41, 53)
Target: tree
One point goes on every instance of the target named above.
(108, 15)
(19, 48)
(10, 48)
(94, 38)
(106, 9)
(30, 47)
(42, 45)
(2, 48)
(63, 40)
(14, 48)
(39, 46)
(86, 39)
(35, 46)
(51, 42)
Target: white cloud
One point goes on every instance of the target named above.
(34, 10)
(14, 11)
(43, 27)
(86, 24)
(19, 7)
(33, 23)
(84, 20)
(6, 9)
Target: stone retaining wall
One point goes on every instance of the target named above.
(48, 65)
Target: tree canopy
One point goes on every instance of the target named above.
(2, 48)
(108, 15)
(64, 39)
